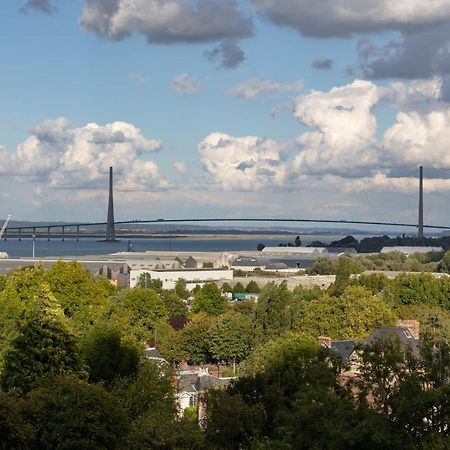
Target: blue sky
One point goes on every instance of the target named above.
(271, 135)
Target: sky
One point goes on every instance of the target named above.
(224, 108)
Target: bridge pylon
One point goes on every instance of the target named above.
(110, 227)
(420, 223)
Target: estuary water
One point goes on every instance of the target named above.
(91, 246)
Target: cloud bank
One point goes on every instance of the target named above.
(62, 156)
(343, 147)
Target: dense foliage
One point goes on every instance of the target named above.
(73, 373)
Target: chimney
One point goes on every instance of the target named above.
(412, 325)
(324, 341)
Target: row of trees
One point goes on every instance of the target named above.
(391, 261)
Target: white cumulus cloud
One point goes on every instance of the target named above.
(62, 156)
(343, 139)
(243, 163)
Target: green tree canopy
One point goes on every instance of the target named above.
(353, 315)
(145, 281)
(226, 287)
(238, 288)
(230, 337)
(323, 265)
(108, 356)
(44, 346)
(174, 305)
(273, 313)
(71, 414)
(444, 264)
(252, 287)
(73, 286)
(15, 432)
(180, 289)
(209, 299)
(139, 310)
(195, 337)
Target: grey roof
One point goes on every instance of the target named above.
(198, 382)
(341, 250)
(343, 348)
(407, 340)
(153, 353)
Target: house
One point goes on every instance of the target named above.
(192, 383)
(152, 353)
(406, 331)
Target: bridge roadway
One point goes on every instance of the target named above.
(32, 229)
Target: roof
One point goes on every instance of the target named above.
(341, 250)
(343, 348)
(295, 250)
(153, 353)
(198, 381)
(407, 340)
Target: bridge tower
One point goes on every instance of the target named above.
(420, 224)
(110, 230)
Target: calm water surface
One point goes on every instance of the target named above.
(88, 246)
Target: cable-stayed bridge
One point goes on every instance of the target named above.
(82, 229)
(78, 230)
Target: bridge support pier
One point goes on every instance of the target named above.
(48, 233)
(5, 235)
(63, 230)
(20, 235)
(78, 233)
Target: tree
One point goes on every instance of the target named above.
(107, 356)
(174, 305)
(226, 287)
(273, 313)
(297, 242)
(71, 414)
(252, 287)
(232, 422)
(346, 266)
(230, 337)
(145, 281)
(195, 336)
(238, 288)
(444, 264)
(15, 432)
(74, 287)
(44, 346)
(171, 343)
(353, 315)
(273, 353)
(260, 247)
(139, 309)
(209, 300)
(180, 289)
(150, 391)
(323, 265)
(375, 282)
